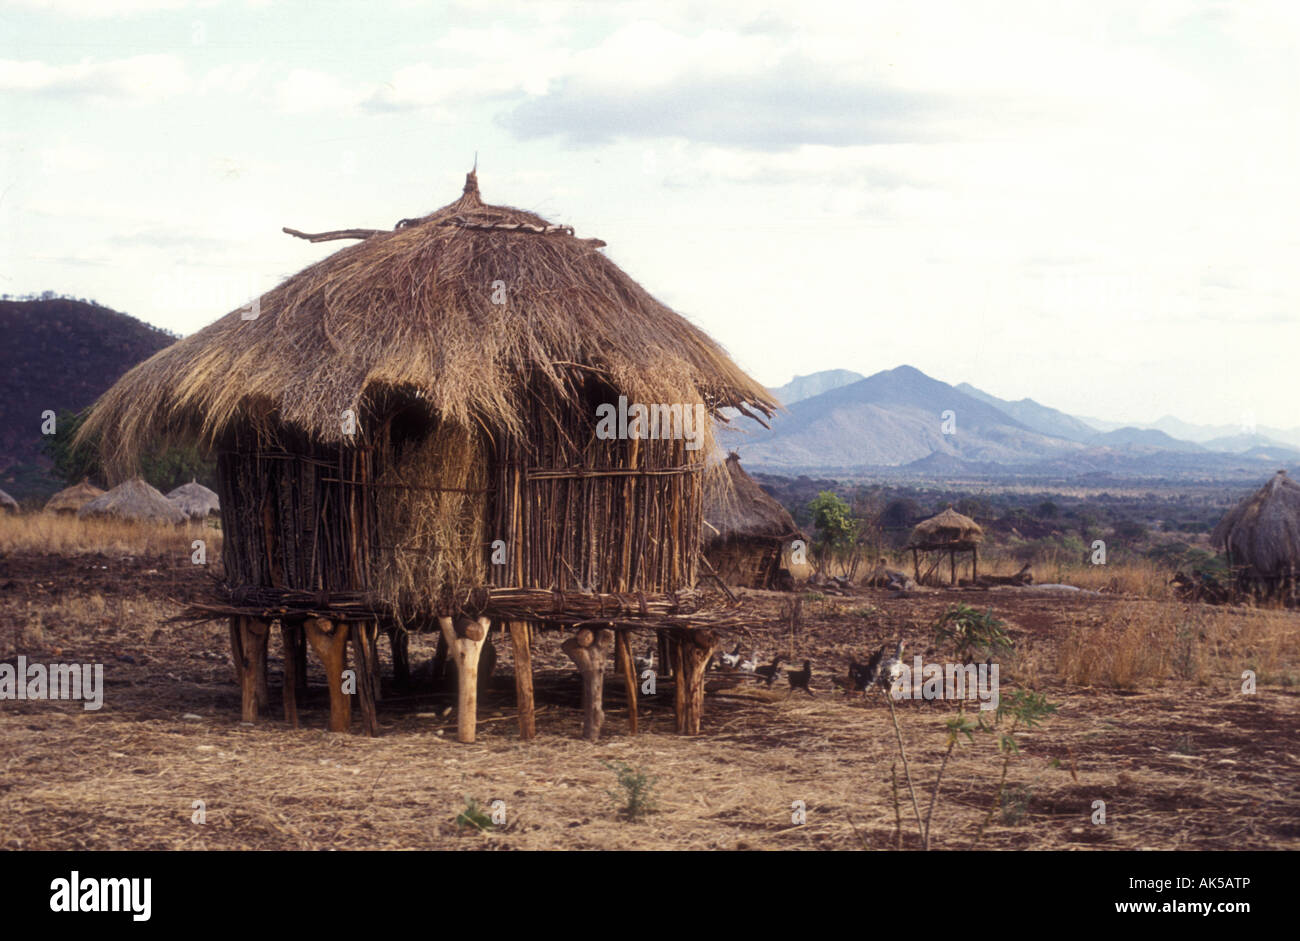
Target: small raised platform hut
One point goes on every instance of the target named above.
(946, 534)
(746, 531)
(1261, 538)
(474, 418)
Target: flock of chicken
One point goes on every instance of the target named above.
(880, 670)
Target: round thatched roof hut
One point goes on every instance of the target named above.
(1261, 534)
(72, 499)
(133, 500)
(947, 533)
(438, 424)
(196, 501)
(7, 503)
(745, 529)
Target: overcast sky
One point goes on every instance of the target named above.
(1094, 204)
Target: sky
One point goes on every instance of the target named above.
(1090, 204)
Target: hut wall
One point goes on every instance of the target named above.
(409, 510)
(749, 563)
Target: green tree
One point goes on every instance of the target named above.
(163, 467)
(835, 526)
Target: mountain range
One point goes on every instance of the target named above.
(840, 421)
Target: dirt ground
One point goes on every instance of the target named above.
(1179, 763)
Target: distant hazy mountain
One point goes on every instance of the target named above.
(892, 423)
(894, 418)
(1041, 418)
(1129, 436)
(805, 387)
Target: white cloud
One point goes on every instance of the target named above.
(138, 78)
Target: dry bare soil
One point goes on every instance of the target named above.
(1151, 720)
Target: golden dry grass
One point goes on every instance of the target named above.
(1181, 757)
(64, 534)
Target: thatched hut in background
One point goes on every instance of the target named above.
(1261, 538)
(746, 531)
(417, 431)
(946, 533)
(7, 503)
(135, 501)
(71, 499)
(196, 501)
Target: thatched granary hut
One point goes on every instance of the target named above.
(135, 501)
(1261, 537)
(196, 501)
(7, 503)
(746, 531)
(71, 499)
(473, 418)
(946, 533)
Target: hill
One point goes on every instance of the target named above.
(894, 418)
(1041, 418)
(805, 387)
(58, 354)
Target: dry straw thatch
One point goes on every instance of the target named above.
(413, 310)
(945, 530)
(133, 500)
(736, 507)
(196, 501)
(72, 499)
(1261, 534)
(7, 503)
(745, 529)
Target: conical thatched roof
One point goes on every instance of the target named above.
(946, 528)
(133, 500)
(462, 308)
(736, 507)
(1262, 532)
(7, 503)
(195, 500)
(72, 499)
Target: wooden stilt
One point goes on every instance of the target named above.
(300, 658)
(400, 643)
(371, 630)
(587, 649)
(952, 562)
(523, 656)
(252, 643)
(665, 657)
(364, 655)
(974, 564)
(236, 651)
(694, 649)
(329, 640)
(289, 640)
(626, 665)
(464, 638)
(916, 567)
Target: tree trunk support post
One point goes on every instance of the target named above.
(465, 638)
(587, 649)
(252, 666)
(692, 651)
(330, 640)
(523, 658)
(290, 639)
(625, 665)
(363, 637)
